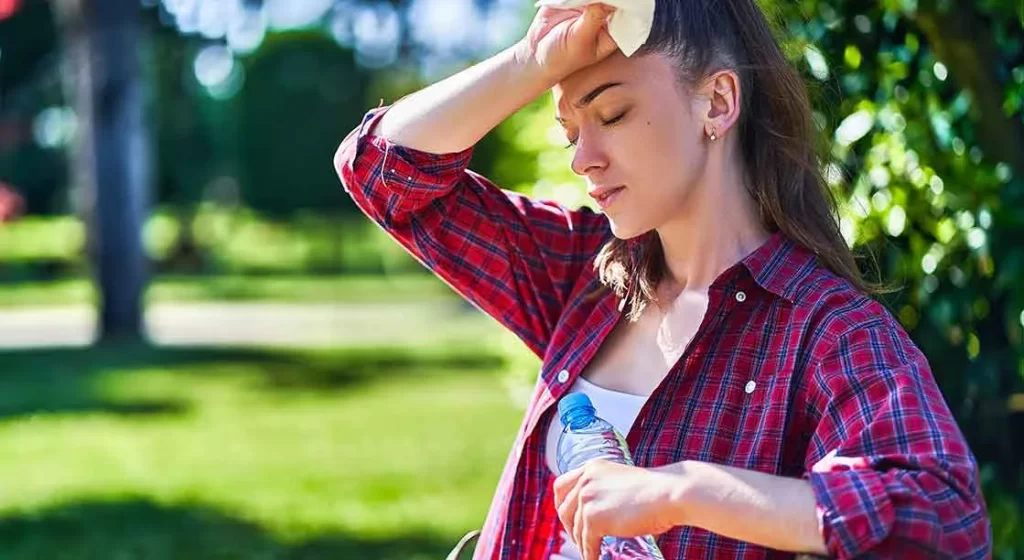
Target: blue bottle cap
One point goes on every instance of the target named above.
(576, 409)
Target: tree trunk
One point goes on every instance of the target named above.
(102, 40)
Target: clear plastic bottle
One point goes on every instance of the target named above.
(586, 437)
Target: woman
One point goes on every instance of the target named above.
(713, 310)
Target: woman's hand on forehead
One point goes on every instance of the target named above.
(562, 41)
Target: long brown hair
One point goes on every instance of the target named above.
(775, 131)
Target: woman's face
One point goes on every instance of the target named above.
(639, 139)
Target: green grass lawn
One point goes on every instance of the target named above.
(200, 453)
(276, 288)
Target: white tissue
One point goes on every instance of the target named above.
(629, 25)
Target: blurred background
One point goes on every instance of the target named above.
(206, 352)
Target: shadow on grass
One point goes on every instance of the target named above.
(65, 380)
(146, 530)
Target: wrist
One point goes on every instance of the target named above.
(680, 492)
(524, 60)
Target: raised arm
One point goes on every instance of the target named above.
(514, 257)
(454, 114)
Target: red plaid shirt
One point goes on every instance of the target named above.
(793, 372)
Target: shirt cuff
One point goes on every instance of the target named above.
(854, 510)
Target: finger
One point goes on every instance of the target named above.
(595, 16)
(591, 546)
(577, 527)
(605, 44)
(566, 482)
(567, 509)
(591, 22)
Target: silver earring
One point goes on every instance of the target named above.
(714, 136)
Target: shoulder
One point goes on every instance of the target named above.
(857, 340)
(821, 306)
(822, 310)
(833, 303)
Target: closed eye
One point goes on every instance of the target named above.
(609, 122)
(614, 119)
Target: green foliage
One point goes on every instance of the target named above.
(303, 93)
(188, 142)
(1007, 523)
(29, 85)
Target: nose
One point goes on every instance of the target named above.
(590, 156)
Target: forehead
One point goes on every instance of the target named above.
(651, 72)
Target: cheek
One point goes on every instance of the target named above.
(682, 155)
(662, 164)
(646, 148)
(661, 156)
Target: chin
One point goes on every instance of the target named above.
(625, 231)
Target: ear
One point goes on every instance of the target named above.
(721, 91)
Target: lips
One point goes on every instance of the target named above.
(605, 196)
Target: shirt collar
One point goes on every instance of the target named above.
(779, 265)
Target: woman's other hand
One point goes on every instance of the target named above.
(603, 498)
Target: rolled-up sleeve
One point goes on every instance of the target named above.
(387, 180)
(890, 469)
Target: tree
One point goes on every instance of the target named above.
(302, 93)
(102, 42)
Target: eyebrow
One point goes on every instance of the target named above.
(590, 97)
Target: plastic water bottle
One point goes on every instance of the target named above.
(586, 437)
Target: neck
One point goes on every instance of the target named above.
(721, 225)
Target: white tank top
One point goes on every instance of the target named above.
(619, 410)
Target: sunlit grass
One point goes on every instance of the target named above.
(143, 453)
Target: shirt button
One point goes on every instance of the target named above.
(563, 376)
(741, 297)
(750, 386)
